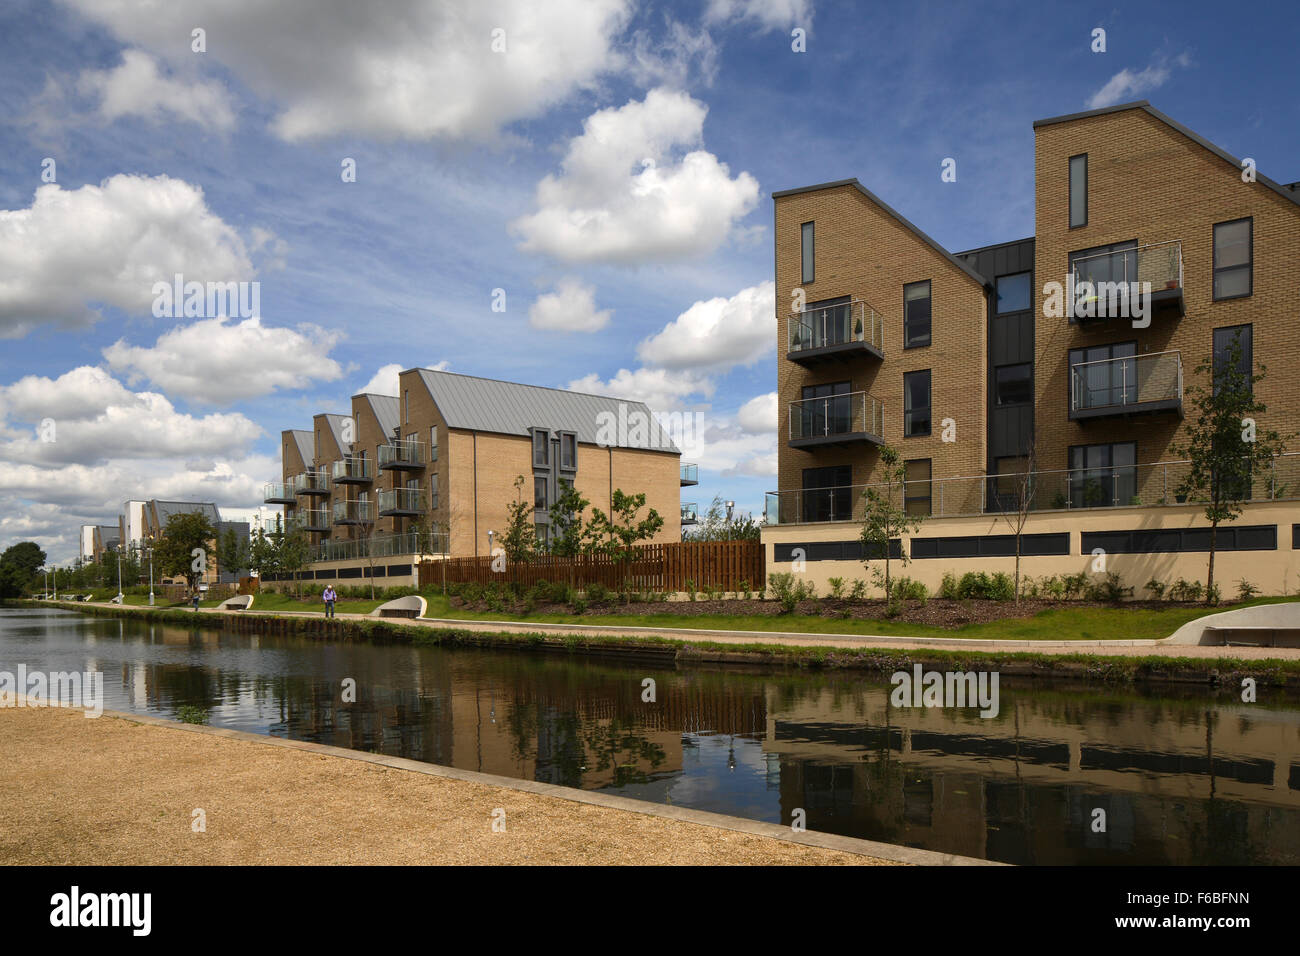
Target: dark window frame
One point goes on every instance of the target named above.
(1247, 355)
(808, 252)
(1069, 202)
(929, 332)
(1249, 266)
(997, 301)
(928, 497)
(929, 405)
(541, 484)
(997, 403)
(568, 440)
(545, 460)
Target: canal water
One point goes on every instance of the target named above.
(1183, 775)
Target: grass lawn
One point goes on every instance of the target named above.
(1083, 623)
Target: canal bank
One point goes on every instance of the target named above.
(130, 789)
(1123, 661)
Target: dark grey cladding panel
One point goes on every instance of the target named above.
(1012, 430)
(1011, 338)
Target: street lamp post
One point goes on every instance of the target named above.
(151, 577)
(119, 577)
(730, 505)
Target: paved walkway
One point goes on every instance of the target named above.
(1115, 648)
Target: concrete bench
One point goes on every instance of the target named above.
(1263, 625)
(240, 602)
(410, 606)
(1243, 636)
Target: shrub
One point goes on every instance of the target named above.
(908, 589)
(690, 588)
(788, 591)
(1184, 590)
(746, 590)
(1156, 588)
(859, 590)
(980, 585)
(1246, 590)
(837, 587)
(579, 606)
(893, 608)
(1051, 586)
(1213, 595)
(948, 587)
(1108, 589)
(597, 593)
(1074, 586)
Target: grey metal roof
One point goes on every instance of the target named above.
(306, 442)
(1146, 106)
(108, 533)
(387, 411)
(508, 408)
(335, 423)
(893, 212)
(165, 509)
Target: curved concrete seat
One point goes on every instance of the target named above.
(410, 606)
(240, 602)
(1273, 625)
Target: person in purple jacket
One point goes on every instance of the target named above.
(329, 597)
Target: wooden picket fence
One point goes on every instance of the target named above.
(711, 565)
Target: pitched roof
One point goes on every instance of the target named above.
(891, 211)
(508, 408)
(1285, 191)
(386, 409)
(306, 442)
(165, 509)
(335, 423)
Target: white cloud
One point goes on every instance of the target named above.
(661, 389)
(570, 308)
(108, 244)
(768, 14)
(758, 416)
(418, 69)
(96, 419)
(1128, 84)
(717, 333)
(136, 88)
(386, 380)
(216, 362)
(626, 196)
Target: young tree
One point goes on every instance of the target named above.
(1225, 446)
(519, 540)
(716, 526)
(293, 552)
(185, 548)
(232, 553)
(262, 557)
(1015, 499)
(568, 526)
(618, 533)
(883, 520)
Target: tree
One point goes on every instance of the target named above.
(519, 540)
(185, 548)
(568, 527)
(883, 521)
(1224, 444)
(262, 556)
(18, 567)
(618, 533)
(232, 552)
(293, 551)
(1018, 494)
(716, 526)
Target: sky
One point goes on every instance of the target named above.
(574, 193)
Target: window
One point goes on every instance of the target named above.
(541, 448)
(1078, 190)
(1233, 259)
(543, 531)
(1114, 263)
(433, 492)
(916, 486)
(1013, 384)
(406, 404)
(1240, 336)
(1015, 292)
(916, 314)
(1103, 375)
(433, 443)
(831, 416)
(827, 495)
(916, 404)
(1103, 475)
(806, 251)
(568, 450)
(539, 494)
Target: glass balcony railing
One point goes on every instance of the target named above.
(312, 483)
(402, 501)
(1103, 283)
(1126, 384)
(356, 471)
(401, 455)
(354, 512)
(279, 493)
(690, 474)
(854, 415)
(310, 519)
(690, 513)
(412, 543)
(846, 324)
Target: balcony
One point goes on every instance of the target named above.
(1132, 385)
(849, 419)
(279, 493)
(381, 546)
(1105, 285)
(690, 475)
(690, 513)
(354, 512)
(312, 483)
(310, 519)
(835, 333)
(401, 456)
(352, 471)
(402, 502)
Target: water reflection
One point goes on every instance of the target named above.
(1184, 776)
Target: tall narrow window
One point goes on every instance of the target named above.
(916, 403)
(539, 494)
(568, 451)
(806, 251)
(1233, 259)
(406, 401)
(916, 486)
(916, 314)
(1078, 190)
(541, 448)
(433, 492)
(433, 443)
(1224, 339)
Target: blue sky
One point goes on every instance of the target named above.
(518, 169)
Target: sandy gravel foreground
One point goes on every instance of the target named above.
(112, 791)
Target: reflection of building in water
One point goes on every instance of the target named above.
(1178, 785)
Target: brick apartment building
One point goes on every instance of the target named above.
(968, 365)
(440, 459)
